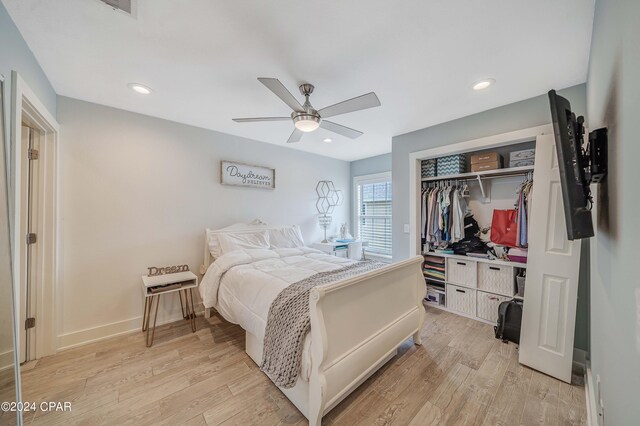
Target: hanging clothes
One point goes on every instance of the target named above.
(443, 212)
(425, 196)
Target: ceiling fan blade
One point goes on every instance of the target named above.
(280, 91)
(296, 136)
(251, 120)
(369, 100)
(340, 129)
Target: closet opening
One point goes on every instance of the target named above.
(487, 217)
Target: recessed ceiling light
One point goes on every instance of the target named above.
(327, 140)
(483, 84)
(140, 88)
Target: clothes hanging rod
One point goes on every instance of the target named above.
(487, 174)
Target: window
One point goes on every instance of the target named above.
(373, 212)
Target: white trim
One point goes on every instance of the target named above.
(107, 331)
(373, 178)
(591, 399)
(364, 179)
(25, 103)
(379, 257)
(6, 157)
(488, 142)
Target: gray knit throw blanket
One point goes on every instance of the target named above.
(289, 322)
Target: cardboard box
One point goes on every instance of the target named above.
(486, 157)
(487, 165)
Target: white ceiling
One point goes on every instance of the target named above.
(202, 58)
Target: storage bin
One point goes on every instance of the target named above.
(487, 305)
(521, 163)
(522, 158)
(451, 165)
(462, 272)
(428, 168)
(461, 299)
(525, 154)
(520, 284)
(496, 279)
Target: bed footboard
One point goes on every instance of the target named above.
(357, 325)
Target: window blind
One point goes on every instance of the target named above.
(374, 215)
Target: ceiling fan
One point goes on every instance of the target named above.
(305, 118)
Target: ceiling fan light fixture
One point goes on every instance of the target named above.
(306, 122)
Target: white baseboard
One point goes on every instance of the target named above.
(590, 395)
(102, 332)
(6, 360)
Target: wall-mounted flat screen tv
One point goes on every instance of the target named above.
(572, 162)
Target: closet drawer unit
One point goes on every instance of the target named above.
(461, 299)
(496, 278)
(488, 305)
(463, 272)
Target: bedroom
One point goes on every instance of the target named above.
(130, 181)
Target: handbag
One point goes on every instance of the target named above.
(504, 228)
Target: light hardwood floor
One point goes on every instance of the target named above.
(461, 375)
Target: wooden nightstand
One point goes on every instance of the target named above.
(154, 287)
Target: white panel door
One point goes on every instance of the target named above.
(549, 316)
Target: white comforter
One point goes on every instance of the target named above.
(241, 284)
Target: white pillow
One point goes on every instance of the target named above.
(212, 237)
(249, 240)
(286, 237)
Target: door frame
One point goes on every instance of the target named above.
(26, 106)
(415, 159)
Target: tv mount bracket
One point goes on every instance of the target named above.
(594, 155)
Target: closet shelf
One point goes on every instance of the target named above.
(511, 171)
(477, 259)
(438, 280)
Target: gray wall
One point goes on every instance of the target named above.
(520, 115)
(15, 55)
(371, 165)
(528, 113)
(613, 100)
(138, 191)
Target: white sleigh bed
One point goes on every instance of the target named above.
(357, 323)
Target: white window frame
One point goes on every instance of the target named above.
(362, 180)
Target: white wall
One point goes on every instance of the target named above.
(138, 191)
(613, 100)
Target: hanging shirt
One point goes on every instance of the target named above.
(424, 207)
(446, 210)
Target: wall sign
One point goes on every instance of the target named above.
(154, 270)
(240, 174)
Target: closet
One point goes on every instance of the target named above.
(471, 284)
